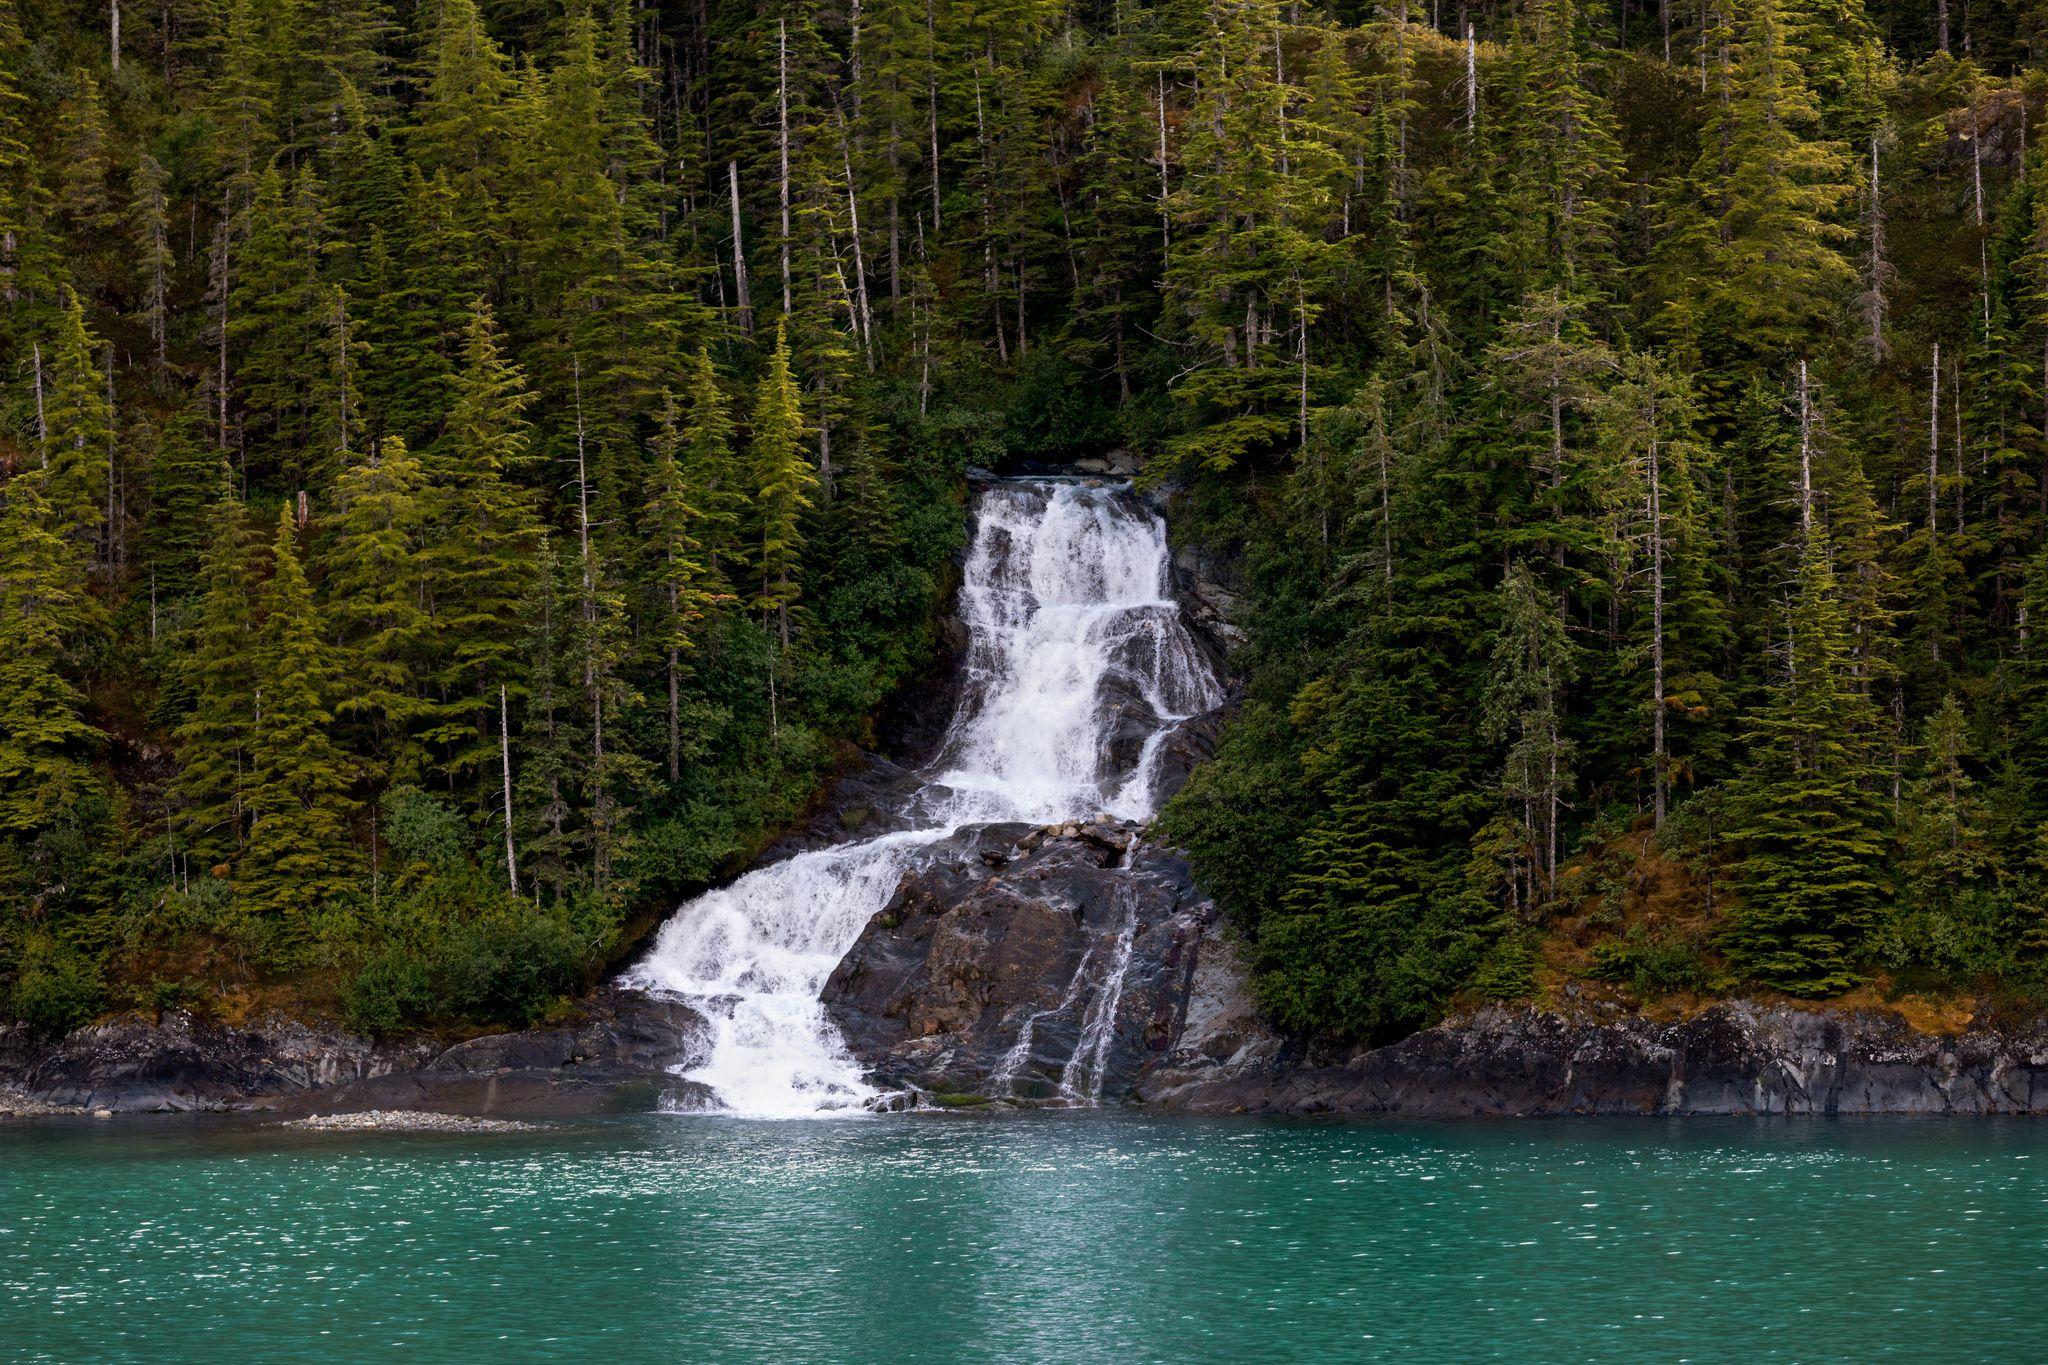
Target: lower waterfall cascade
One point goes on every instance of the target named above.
(1073, 635)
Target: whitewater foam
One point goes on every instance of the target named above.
(1072, 636)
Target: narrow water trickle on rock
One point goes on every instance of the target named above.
(1078, 666)
(1081, 1078)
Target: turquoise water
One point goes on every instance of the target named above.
(1038, 1237)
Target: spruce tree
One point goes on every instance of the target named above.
(377, 605)
(720, 487)
(45, 739)
(1779, 269)
(1944, 821)
(482, 533)
(80, 429)
(676, 572)
(216, 664)
(298, 858)
(1806, 813)
(1524, 707)
(783, 480)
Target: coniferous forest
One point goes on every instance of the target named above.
(470, 469)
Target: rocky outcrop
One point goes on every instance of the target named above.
(180, 1062)
(615, 1054)
(1212, 608)
(1025, 963)
(992, 972)
(1739, 1057)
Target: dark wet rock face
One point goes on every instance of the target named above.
(1039, 964)
(1739, 1057)
(913, 721)
(616, 1054)
(1186, 747)
(133, 1063)
(987, 969)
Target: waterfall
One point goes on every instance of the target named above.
(1073, 639)
(1003, 1080)
(1090, 1062)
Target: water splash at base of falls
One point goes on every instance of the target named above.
(1072, 633)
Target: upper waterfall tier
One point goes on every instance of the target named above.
(1078, 666)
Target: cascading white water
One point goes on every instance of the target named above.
(1072, 637)
(1003, 1080)
(1081, 1078)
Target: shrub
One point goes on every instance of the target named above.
(1651, 963)
(394, 991)
(55, 988)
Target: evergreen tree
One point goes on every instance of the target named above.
(45, 739)
(298, 856)
(481, 537)
(1532, 666)
(711, 472)
(676, 573)
(783, 480)
(1806, 813)
(275, 324)
(80, 430)
(1778, 272)
(17, 166)
(1945, 821)
(1248, 269)
(182, 482)
(217, 662)
(377, 605)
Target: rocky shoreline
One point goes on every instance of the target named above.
(614, 1058)
(1069, 964)
(1062, 965)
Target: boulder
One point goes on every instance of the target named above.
(1032, 964)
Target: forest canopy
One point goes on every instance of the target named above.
(468, 471)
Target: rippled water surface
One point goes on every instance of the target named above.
(1044, 1237)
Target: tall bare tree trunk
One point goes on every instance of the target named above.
(1873, 301)
(1659, 760)
(782, 144)
(739, 253)
(592, 680)
(117, 511)
(989, 283)
(1933, 441)
(931, 44)
(42, 423)
(1472, 81)
(219, 272)
(866, 316)
(895, 254)
(1955, 388)
(505, 768)
(1165, 187)
(1805, 456)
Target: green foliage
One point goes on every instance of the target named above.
(52, 987)
(299, 851)
(1485, 409)
(455, 948)
(1652, 964)
(1806, 814)
(44, 736)
(782, 482)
